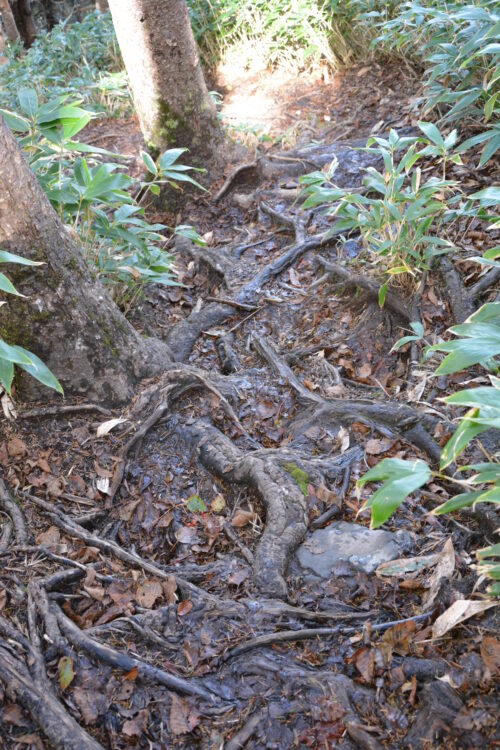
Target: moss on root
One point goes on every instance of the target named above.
(298, 475)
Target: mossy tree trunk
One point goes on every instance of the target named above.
(170, 95)
(67, 319)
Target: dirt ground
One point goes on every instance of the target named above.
(171, 538)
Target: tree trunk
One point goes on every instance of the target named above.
(170, 95)
(24, 21)
(67, 318)
(102, 6)
(8, 22)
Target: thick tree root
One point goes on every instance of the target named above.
(370, 287)
(460, 301)
(34, 692)
(285, 502)
(286, 509)
(410, 423)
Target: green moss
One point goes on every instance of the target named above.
(298, 475)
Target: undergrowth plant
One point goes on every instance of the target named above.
(11, 354)
(400, 226)
(477, 342)
(299, 33)
(96, 198)
(79, 59)
(458, 46)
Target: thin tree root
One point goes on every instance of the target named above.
(117, 660)
(410, 423)
(8, 505)
(370, 287)
(34, 692)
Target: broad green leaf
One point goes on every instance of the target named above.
(65, 671)
(28, 101)
(38, 370)
(477, 397)
(195, 504)
(6, 374)
(8, 287)
(12, 354)
(15, 122)
(432, 133)
(489, 196)
(6, 257)
(465, 432)
(169, 157)
(148, 162)
(464, 500)
(400, 478)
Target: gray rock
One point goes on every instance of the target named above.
(326, 551)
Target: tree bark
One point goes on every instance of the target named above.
(67, 319)
(21, 10)
(102, 6)
(170, 95)
(8, 22)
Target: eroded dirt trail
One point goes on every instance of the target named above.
(197, 577)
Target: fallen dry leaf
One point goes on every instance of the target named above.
(106, 427)
(16, 448)
(148, 592)
(187, 535)
(444, 570)
(459, 611)
(405, 565)
(376, 446)
(242, 518)
(183, 718)
(49, 538)
(184, 608)
(490, 652)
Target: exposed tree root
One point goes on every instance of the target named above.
(228, 183)
(121, 661)
(57, 410)
(461, 303)
(371, 288)
(34, 692)
(12, 510)
(286, 510)
(409, 423)
(484, 284)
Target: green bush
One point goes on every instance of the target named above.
(477, 342)
(457, 45)
(103, 204)
(80, 59)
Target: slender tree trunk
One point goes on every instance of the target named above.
(67, 319)
(24, 21)
(8, 22)
(167, 82)
(102, 6)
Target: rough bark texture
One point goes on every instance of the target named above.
(8, 22)
(170, 95)
(67, 318)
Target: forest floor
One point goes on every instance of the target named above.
(171, 539)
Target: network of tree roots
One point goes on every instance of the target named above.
(163, 607)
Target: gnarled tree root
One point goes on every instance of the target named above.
(285, 503)
(33, 691)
